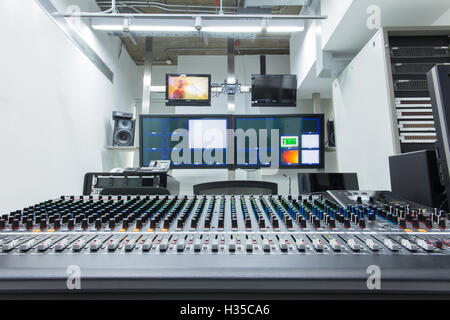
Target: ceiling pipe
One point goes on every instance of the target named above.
(220, 49)
(176, 16)
(147, 3)
(113, 6)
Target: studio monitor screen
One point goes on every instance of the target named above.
(195, 141)
(288, 141)
(188, 90)
(274, 91)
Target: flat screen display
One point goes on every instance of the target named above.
(194, 141)
(274, 90)
(188, 90)
(287, 141)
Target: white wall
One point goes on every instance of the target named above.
(443, 20)
(303, 52)
(364, 125)
(56, 106)
(335, 11)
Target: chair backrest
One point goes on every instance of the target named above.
(317, 182)
(132, 191)
(236, 187)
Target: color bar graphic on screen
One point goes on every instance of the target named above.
(289, 142)
(289, 157)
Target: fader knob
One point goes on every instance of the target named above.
(15, 224)
(181, 243)
(215, 245)
(57, 224)
(249, 246)
(346, 223)
(332, 223)
(442, 223)
(164, 244)
(197, 245)
(70, 224)
(232, 245)
(266, 245)
(362, 223)
(98, 223)
(317, 223)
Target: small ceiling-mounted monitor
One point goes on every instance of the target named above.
(188, 90)
(274, 90)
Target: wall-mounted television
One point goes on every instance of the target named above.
(188, 90)
(274, 90)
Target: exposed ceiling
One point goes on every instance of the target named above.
(169, 48)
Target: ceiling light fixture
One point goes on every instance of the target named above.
(107, 27)
(142, 28)
(232, 29)
(159, 26)
(285, 29)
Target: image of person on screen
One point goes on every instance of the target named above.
(178, 93)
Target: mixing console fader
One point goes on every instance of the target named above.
(324, 242)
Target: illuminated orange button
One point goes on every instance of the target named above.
(136, 230)
(422, 230)
(122, 230)
(164, 230)
(408, 230)
(37, 230)
(150, 230)
(51, 230)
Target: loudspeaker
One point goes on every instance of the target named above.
(439, 86)
(124, 127)
(330, 133)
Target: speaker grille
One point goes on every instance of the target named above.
(125, 124)
(123, 137)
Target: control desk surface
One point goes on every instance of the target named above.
(326, 242)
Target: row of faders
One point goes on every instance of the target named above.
(204, 213)
(223, 224)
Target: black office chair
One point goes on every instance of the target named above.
(318, 182)
(236, 187)
(133, 191)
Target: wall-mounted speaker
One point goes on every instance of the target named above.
(124, 127)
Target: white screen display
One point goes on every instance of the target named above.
(310, 157)
(310, 141)
(208, 134)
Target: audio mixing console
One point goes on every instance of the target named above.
(321, 242)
